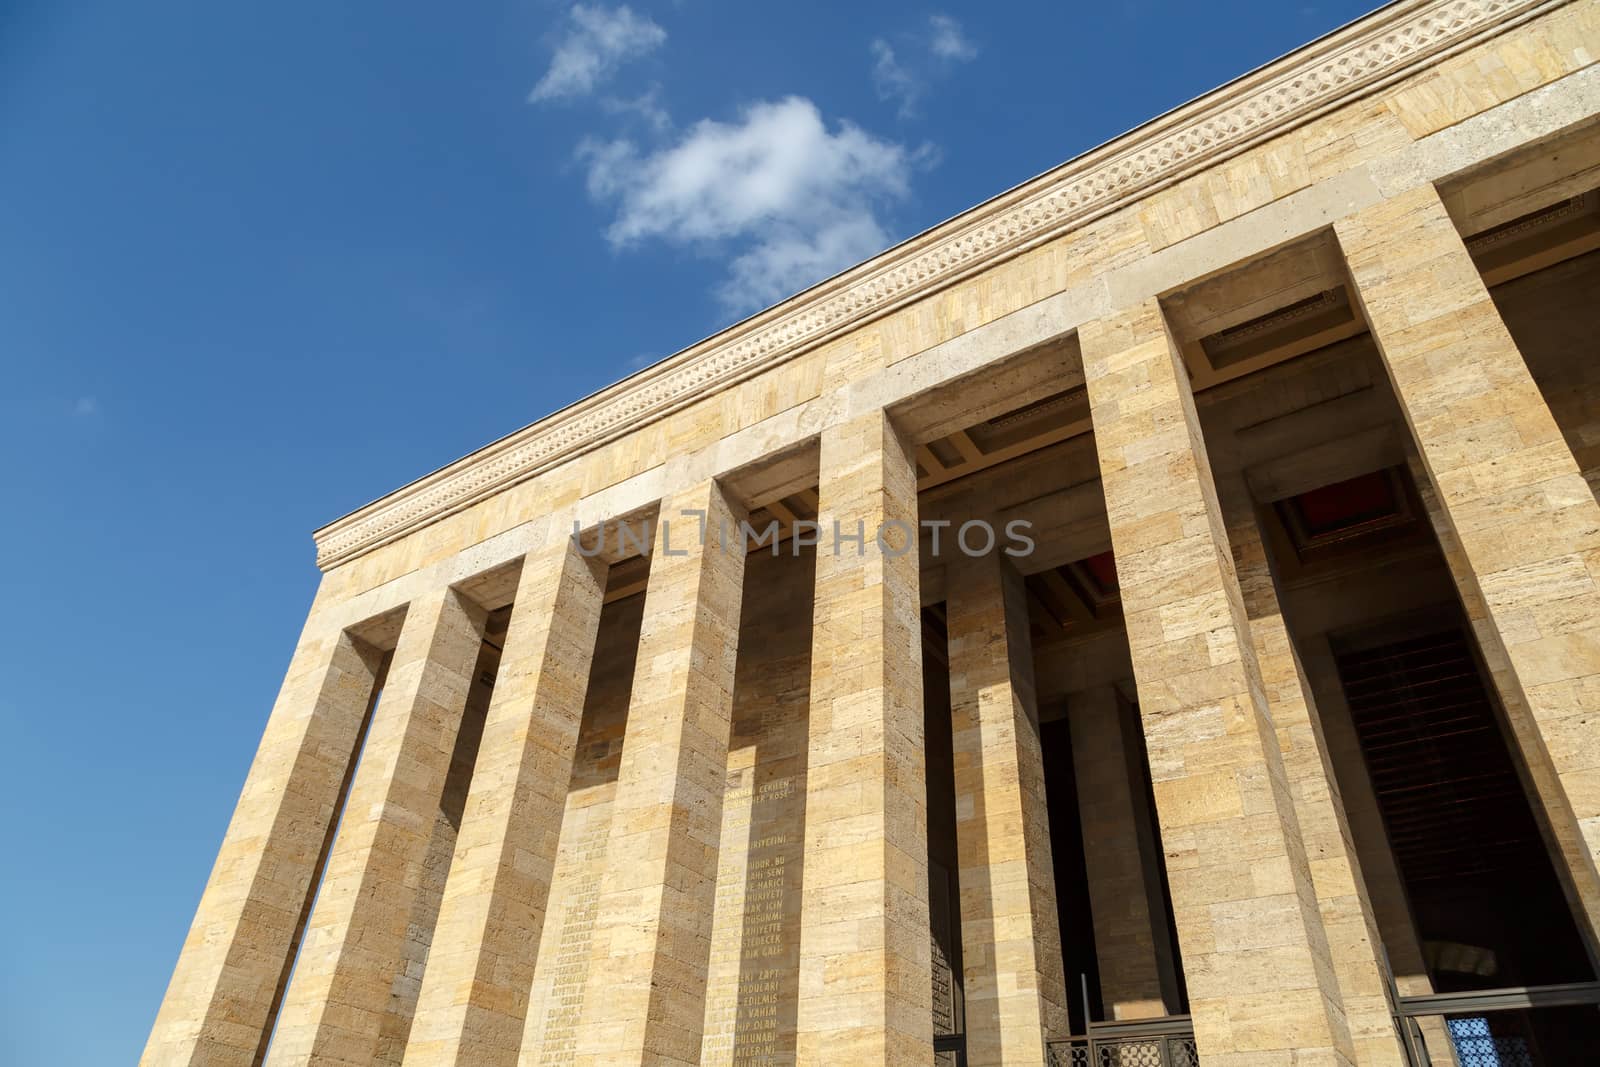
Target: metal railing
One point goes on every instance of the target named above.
(1164, 1042)
(1476, 1039)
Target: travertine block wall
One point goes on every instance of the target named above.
(865, 994)
(1547, 341)
(422, 927)
(1354, 945)
(473, 1000)
(561, 969)
(1301, 425)
(1010, 933)
(753, 982)
(1238, 871)
(1500, 69)
(1121, 899)
(1527, 523)
(652, 938)
(351, 967)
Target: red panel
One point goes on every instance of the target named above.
(1103, 568)
(1345, 504)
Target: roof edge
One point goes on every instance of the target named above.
(1392, 42)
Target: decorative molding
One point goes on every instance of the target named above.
(1234, 336)
(1384, 46)
(1521, 227)
(1039, 407)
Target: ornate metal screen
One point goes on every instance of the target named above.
(1477, 1046)
(1165, 1042)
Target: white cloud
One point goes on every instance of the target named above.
(646, 108)
(893, 81)
(599, 41)
(86, 407)
(793, 200)
(792, 257)
(932, 51)
(948, 40)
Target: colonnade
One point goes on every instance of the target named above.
(1279, 945)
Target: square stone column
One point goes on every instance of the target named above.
(1261, 984)
(866, 979)
(353, 955)
(1010, 934)
(474, 995)
(1137, 973)
(1354, 943)
(1526, 522)
(645, 999)
(236, 957)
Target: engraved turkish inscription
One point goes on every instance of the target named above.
(571, 971)
(752, 990)
(755, 953)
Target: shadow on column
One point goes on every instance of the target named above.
(944, 863)
(420, 924)
(555, 1002)
(755, 950)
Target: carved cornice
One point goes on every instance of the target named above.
(1380, 48)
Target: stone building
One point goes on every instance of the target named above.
(1173, 628)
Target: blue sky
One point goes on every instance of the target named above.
(262, 263)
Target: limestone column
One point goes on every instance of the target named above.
(1348, 919)
(1526, 523)
(645, 1000)
(866, 979)
(1256, 958)
(475, 988)
(220, 999)
(1137, 979)
(1010, 935)
(354, 948)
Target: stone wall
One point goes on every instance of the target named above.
(561, 976)
(755, 942)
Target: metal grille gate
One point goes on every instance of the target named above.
(1166, 1042)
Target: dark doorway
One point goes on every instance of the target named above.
(1078, 958)
(1486, 899)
